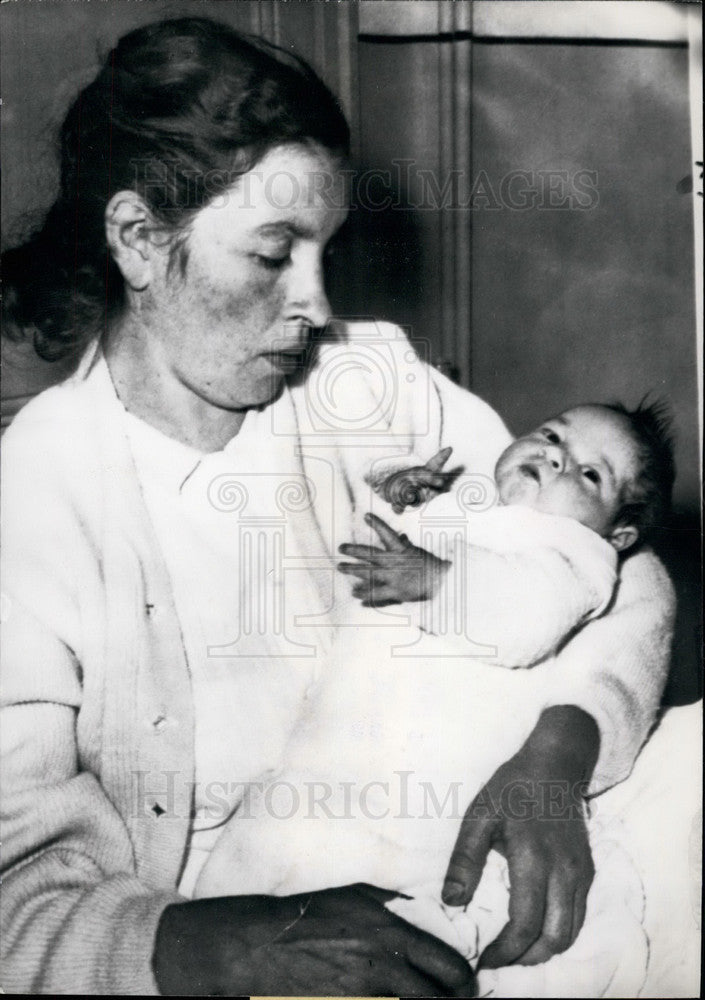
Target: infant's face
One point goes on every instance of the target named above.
(575, 465)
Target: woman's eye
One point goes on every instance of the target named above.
(551, 436)
(273, 263)
(593, 475)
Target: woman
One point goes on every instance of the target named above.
(197, 157)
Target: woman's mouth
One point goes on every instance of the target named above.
(288, 362)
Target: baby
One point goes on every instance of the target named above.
(406, 727)
(572, 495)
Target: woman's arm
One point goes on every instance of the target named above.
(541, 831)
(75, 916)
(76, 919)
(608, 682)
(616, 668)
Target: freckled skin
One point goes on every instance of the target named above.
(195, 351)
(576, 465)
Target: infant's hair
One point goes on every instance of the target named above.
(646, 501)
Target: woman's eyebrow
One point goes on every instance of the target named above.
(285, 229)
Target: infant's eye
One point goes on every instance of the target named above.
(550, 436)
(593, 475)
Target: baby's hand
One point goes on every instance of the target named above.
(394, 574)
(414, 487)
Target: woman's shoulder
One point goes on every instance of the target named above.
(46, 416)
(379, 356)
(390, 343)
(52, 428)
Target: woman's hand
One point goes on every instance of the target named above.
(396, 573)
(332, 943)
(531, 811)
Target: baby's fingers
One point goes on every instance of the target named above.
(432, 480)
(436, 463)
(388, 536)
(367, 552)
(362, 570)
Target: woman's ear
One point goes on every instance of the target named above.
(127, 230)
(623, 537)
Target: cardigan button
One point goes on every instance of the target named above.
(160, 723)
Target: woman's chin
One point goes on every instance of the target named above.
(258, 393)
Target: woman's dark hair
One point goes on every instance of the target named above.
(180, 108)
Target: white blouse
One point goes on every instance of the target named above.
(225, 531)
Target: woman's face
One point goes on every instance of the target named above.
(237, 321)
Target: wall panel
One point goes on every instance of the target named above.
(575, 303)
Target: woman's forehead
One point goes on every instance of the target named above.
(294, 190)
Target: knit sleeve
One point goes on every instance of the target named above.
(616, 667)
(75, 918)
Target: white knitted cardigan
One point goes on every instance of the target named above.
(97, 720)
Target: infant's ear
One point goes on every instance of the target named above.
(623, 537)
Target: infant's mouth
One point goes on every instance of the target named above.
(530, 471)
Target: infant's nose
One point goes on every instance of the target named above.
(555, 458)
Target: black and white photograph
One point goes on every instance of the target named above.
(351, 491)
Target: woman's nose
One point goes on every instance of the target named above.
(308, 297)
